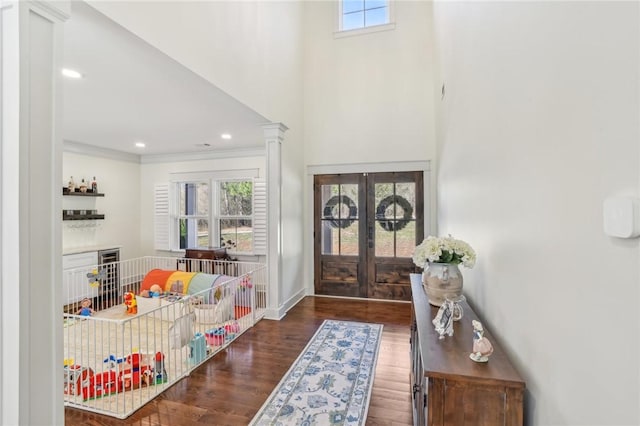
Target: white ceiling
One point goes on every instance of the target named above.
(133, 92)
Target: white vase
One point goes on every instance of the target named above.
(440, 280)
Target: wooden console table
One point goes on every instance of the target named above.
(202, 260)
(448, 388)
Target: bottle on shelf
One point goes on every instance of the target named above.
(83, 186)
(94, 186)
(71, 185)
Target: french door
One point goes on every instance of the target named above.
(366, 226)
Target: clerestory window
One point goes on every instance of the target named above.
(360, 14)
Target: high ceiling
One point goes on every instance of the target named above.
(132, 92)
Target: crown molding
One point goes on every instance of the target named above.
(94, 151)
(208, 155)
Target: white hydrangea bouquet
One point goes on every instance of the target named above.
(444, 250)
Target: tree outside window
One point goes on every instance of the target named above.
(226, 204)
(235, 208)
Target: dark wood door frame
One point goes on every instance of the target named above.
(363, 274)
(388, 278)
(344, 274)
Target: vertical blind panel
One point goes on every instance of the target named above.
(259, 217)
(162, 219)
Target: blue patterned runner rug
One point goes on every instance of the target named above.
(330, 382)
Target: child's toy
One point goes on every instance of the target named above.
(197, 349)
(113, 362)
(102, 384)
(96, 276)
(76, 378)
(159, 370)
(215, 336)
(131, 303)
(231, 329)
(177, 287)
(136, 373)
(86, 309)
(107, 382)
(123, 374)
(154, 291)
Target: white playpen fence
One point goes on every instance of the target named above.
(117, 360)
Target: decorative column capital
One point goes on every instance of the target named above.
(274, 131)
(60, 10)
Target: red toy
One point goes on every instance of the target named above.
(76, 378)
(131, 303)
(138, 374)
(130, 373)
(103, 384)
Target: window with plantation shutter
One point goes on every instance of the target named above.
(230, 213)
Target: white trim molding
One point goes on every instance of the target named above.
(95, 151)
(203, 155)
(112, 154)
(273, 136)
(30, 165)
(281, 311)
(397, 166)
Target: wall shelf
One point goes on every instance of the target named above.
(83, 194)
(78, 216)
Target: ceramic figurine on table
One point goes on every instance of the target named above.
(443, 321)
(482, 347)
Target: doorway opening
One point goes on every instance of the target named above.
(366, 227)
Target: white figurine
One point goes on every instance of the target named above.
(443, 321)
(482, 347)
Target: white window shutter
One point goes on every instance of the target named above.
(259, 217)
(162, 217)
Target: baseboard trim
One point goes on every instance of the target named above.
(360, 298)
(281, 311)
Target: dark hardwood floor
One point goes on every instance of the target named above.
(231, 387)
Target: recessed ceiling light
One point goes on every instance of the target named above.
(225, 136)
(67, 72)
(140, 144)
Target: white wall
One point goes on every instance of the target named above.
(120, 182)
(253, 51)
(368, 98)
(540, 122)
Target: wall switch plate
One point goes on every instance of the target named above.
(622, 217)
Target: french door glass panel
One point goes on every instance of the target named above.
(340, 219)
(395, 219)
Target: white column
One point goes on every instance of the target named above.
(274, 135)
(30, 206)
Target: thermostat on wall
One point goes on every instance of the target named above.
(622, 217)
